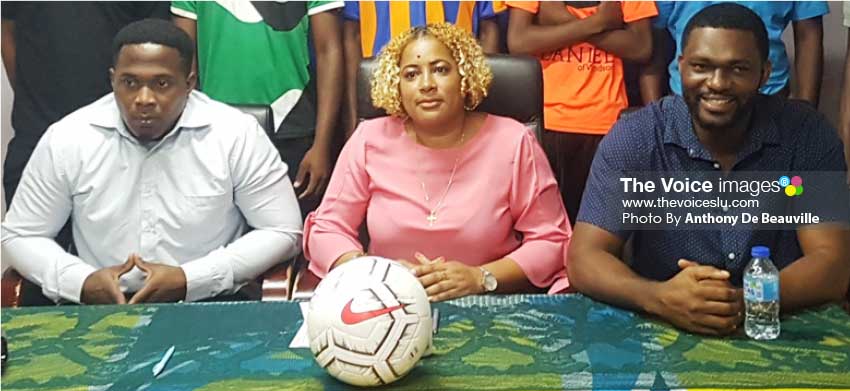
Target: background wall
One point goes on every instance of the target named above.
(835, 44)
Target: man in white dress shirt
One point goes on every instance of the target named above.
(161, 183)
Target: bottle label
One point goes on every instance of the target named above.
(756, 289)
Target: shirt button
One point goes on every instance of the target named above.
(725, 209)
(731, 256)
(717, 165)
(691, 151)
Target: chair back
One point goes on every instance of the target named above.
(262, 113)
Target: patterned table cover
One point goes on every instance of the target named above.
(533, 342)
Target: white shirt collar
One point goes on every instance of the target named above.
(107, 115)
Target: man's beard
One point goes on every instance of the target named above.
(741, 113)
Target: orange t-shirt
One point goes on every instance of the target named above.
(583, 87)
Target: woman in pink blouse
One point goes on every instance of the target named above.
(468, 197)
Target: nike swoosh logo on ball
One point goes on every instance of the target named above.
(350, 317)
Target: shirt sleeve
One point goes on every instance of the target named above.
(602, 201)
(263, 194)
(539, 216)
(530, 6)
(662, 20)
(637, 10)
(332, 229)
(351, 11)
(485, 9)
(499, 6)
(808, 9)
(186, 9)
(152, 9)
(823, 171)
(42, 205)
(315, 7)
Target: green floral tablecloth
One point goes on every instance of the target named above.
(484, 343)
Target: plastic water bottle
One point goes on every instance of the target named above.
(761, 296)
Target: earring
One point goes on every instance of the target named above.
(467, 104)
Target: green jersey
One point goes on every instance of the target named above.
(256, 52)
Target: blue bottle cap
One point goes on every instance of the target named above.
(760, 252)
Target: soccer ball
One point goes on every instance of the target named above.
(369, 321)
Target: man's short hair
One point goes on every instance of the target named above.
(730, 16)
(156, 31)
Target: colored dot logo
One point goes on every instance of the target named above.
(793, 186)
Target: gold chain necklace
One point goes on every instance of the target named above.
(432, 216)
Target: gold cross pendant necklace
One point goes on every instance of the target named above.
(432, 216)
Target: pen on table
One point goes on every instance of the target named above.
(435, 317)
(157, 369)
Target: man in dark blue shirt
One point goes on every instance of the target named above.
(720, 128)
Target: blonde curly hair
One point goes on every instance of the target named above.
(475, 74)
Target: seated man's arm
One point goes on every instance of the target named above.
(264, 195)
(596, 269)
(40, 208)
(697, 299)
(821, 275)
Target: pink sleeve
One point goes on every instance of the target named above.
(332, 229)
(539, 215)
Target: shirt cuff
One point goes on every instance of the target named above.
(208, 276)
(542, 262)
(71, 274)
(561, 285)
(184, 13)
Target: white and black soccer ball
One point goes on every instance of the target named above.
(369, 321)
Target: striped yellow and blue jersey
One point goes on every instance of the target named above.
(380, 21)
